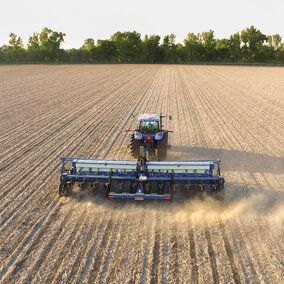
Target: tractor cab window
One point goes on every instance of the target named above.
(149, 127)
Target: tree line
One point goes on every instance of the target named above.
(248, 46)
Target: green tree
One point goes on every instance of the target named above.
(151, 48)
(87, 51)
(275, 41)
(106, 51)
(180, 53)
(16, 51)
(73, 55)
(34, 48)
(209, 44)
(79, 55)
(125, 47)
(170, 49)
(15, 42)
(50, 42)
(122, 45)
(280, 55)
(222, 50)
(129, 46)
(252, 40)
(193, 47)
(89, 44)
(45, 46)
(234, 46)
(265, 54)
(4, 53)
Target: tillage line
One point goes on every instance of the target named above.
(70, 142)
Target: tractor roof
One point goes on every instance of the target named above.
(149, 117)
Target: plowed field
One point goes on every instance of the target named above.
(235, 114)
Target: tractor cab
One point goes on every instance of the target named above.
(149, 127)
(151, 135)
(149, 123)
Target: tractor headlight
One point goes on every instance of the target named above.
(137, 135)
(159, 136)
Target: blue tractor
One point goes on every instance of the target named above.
(144, 179)
(151, 135)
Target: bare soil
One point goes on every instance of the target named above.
(235, 114)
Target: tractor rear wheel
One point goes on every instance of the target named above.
(134, 147)
(163, 147)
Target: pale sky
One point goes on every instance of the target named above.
(100, 19)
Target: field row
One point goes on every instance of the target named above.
(231, 113)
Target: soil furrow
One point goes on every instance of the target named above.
(219, 112)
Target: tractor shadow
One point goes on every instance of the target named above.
(231, 160)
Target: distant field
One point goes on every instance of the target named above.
(232, 113)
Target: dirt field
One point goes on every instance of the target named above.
(232, 113)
